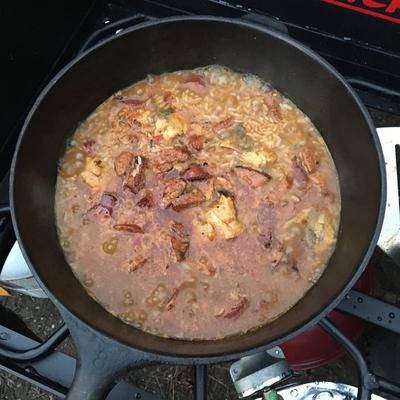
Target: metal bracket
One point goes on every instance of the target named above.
(259, 371)
(372, 310)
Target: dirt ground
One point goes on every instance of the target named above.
(175, 383)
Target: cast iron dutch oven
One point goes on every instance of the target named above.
(105, 344)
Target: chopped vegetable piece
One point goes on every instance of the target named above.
(171, 125)
(92, 172)
(166, 112)
(240, 130)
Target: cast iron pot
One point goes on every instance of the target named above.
(105, 344)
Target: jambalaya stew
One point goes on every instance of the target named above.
(197, 204)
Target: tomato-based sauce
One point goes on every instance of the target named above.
(197, 204)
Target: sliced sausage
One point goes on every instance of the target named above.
(196, 78)
(146, 201)
(135, 179)
(134, 102)
(195, 172)
(131, 228)
(186, 200)
(172, 189)
(195, 83)
(167, 97)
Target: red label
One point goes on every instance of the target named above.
(384, 9)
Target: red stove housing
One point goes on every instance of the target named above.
(315, 347)
(384, 10)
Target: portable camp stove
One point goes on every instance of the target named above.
(363, 47)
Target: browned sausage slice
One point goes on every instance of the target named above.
(187, 200)
(195, 172)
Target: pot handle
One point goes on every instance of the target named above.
(111, 29)
(90, 384)
(264, 20)
(100, 361)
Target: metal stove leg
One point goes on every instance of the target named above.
(367, 380)
(200, 382)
